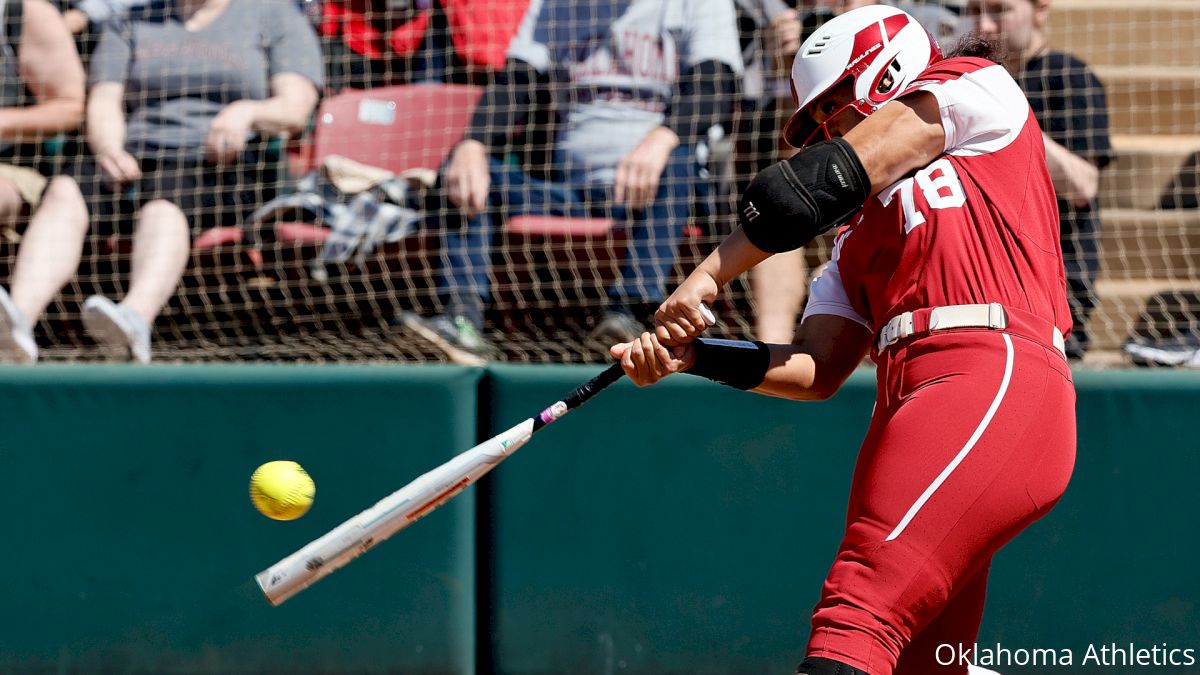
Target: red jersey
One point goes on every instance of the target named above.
(977, 225)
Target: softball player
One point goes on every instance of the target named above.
(947, 270)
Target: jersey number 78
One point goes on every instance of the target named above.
(940, 186)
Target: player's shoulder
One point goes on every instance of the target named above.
(954, 68)
(968, 79)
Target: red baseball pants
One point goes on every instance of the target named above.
(972, 439)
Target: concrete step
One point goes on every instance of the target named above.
(1137, 244)
(1105, 359)
(1152, 99)
(1121, 302)
(1123, 32)
(1143, 169)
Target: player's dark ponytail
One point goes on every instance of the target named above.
(975, 45)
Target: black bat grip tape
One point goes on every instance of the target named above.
(597, 383)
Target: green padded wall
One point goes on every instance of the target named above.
(679, 528)
(130, 544)
(686, 527)
(1117, 560)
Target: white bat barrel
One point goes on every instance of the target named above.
(390, 515)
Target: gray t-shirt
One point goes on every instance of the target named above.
(176, 80)
(620, 91)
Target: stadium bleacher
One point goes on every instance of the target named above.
(1148, 58)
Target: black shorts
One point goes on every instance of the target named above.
(208, 195)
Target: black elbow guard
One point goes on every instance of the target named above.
(792, 202)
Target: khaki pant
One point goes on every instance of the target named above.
(29, 183)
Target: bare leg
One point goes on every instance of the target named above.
(50, 248)
(160, 254)
(779, 286)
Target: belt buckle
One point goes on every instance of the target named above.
(997, 317)
(894, 330)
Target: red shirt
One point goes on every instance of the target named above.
(977, 225)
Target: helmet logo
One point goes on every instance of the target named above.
(870, 50)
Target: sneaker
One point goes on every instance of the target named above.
(454, 336)
(615, 327)
(1177, 355)
(119, 331)
(16, 333)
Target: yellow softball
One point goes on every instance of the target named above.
(282, 490)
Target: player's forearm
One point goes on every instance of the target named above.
(784, 371)
(1075, 179)
(734, 256)
(825, 351)
(35, 122)
(793, 375)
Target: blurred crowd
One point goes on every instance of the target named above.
(646, 114)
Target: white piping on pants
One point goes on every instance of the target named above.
(983, 424)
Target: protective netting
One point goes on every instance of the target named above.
(1148, 58)
(363, 231)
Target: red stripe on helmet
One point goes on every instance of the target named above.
(869, 42)
(894, 24)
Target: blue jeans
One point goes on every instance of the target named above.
(653, 232)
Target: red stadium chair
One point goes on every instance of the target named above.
(394, 128)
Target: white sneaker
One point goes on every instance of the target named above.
(121, 333)
(16, 333)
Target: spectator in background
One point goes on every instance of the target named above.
(377, 43)
(1068, 101)
(637, 85)
(81, 14)
(36, 55)
(185, 96)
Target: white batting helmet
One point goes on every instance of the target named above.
(880, 49)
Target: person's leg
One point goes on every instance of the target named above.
(50, 247)
(464, 282)
(160, 252)
(779, 284)
(46, 260)
(957, 625)
(1081, 258)
(931, 503)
